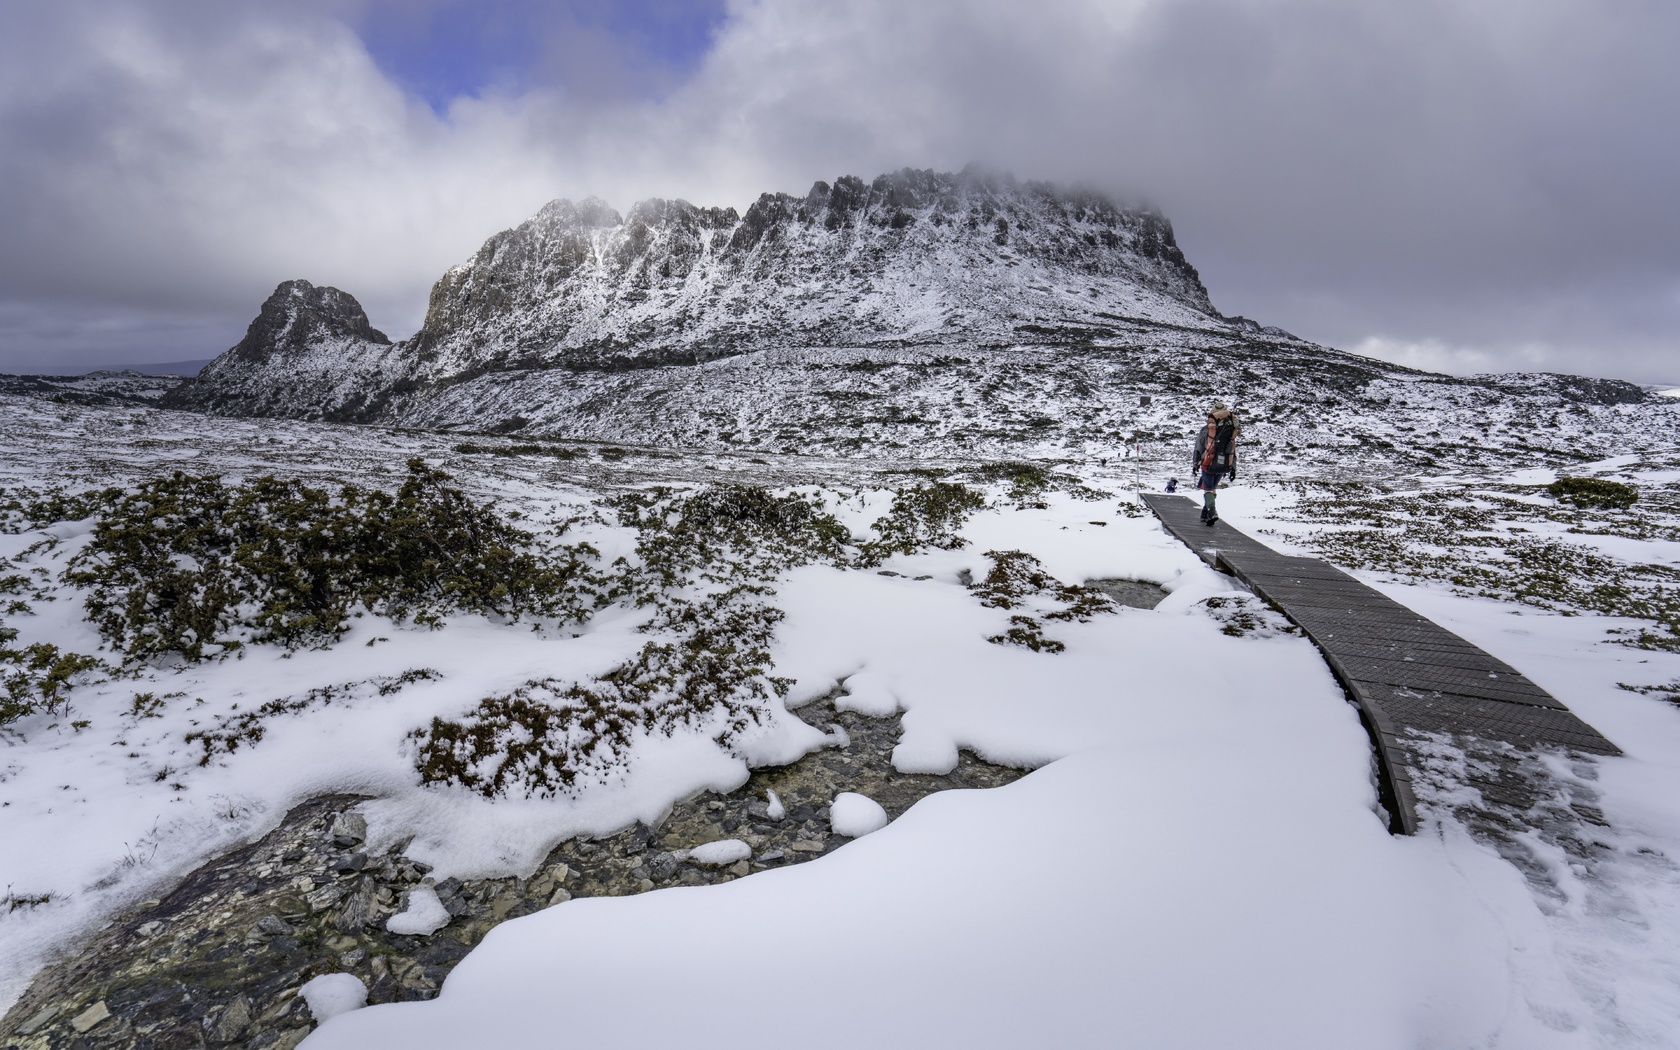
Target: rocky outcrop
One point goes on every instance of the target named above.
(310, 354)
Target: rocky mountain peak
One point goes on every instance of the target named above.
(311, 352)
(912, 256)
(910, 259)
(299, 315)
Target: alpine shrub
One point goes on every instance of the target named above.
(1594, 492)
(924, 516)
(189, 565)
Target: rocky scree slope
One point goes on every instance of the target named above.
(937, 314)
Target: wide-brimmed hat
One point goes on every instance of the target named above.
(1218, 406)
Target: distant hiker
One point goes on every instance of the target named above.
(1172, 484)
(1215, 457)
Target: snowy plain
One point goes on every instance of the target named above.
(1197, 859)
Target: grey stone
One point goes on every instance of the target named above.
(350, 863)
(233, 1021)
(40, 1019)
(350, 829)
(663, 865)
(91, 1017)
(360, 908)
(274, 926)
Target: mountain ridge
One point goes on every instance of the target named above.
(927, 312)
(913, 258)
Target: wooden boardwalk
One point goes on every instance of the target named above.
(1409, 676)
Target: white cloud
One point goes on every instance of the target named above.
(1435, 171)
(1432, 355)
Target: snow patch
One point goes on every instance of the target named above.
(854, 815)
(424, 915)
(720, 853)
(332, 994)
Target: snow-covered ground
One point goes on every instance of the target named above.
(1197, 860)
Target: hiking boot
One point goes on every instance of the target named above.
(1211, 520)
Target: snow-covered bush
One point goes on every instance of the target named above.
(1018, 580)
(36, 677)
(724, 532)
(544, 737)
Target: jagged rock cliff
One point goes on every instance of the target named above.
(912, 258)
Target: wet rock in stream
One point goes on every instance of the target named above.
(219, 960)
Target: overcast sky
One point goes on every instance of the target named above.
(1457, 184)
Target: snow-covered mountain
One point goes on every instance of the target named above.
(913, 259)
(308, 346)
(926, 313)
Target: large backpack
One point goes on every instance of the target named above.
(1222, 448)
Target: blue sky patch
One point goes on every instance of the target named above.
(447, 49)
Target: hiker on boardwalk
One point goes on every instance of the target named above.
(1215, 457)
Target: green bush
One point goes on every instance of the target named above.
(36, 677)
(190, 565)
(1594, 492)
(723, 533)
(705, 562)
(924, 516)
(25, 508)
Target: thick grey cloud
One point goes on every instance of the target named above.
(1470, 185)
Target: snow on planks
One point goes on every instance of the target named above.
(1409, 676)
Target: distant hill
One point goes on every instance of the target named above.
(172, 368)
